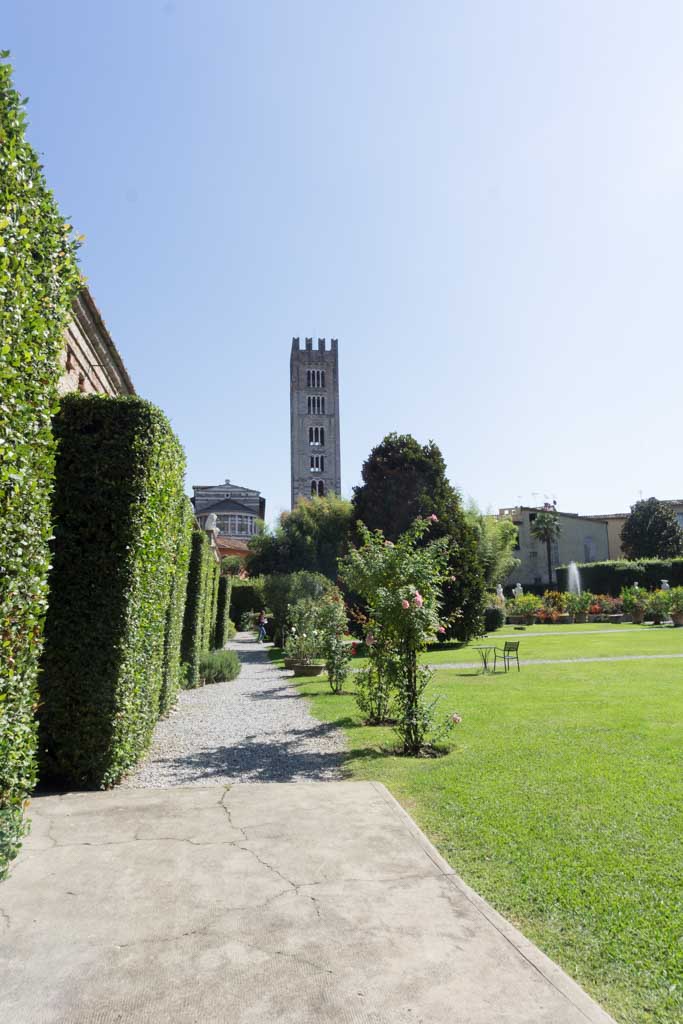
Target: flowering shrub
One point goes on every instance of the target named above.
(303, 642)
(605, 604)
(634, 600)
(331, 623)
(401, 585)
(676, 600)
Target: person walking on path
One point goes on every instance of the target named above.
(262, 623)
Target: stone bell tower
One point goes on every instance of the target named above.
(314, 416)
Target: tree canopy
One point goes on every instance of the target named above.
(404, 480)
(311, 537)
(652, 531)
(496, 540)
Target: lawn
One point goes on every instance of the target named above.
(561, 802)
(592, 640)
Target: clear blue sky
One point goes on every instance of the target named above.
(482, 200)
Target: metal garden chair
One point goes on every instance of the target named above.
(506, 653)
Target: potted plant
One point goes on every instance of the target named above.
(303, 644)
(555, 607)
(634, 602)
(658, 606)
(524, 608)
(578, 605)
(676, 605)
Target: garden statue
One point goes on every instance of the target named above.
(665, 585)
(211, 523)
(518, 590)
(499, 592)
(636, 587)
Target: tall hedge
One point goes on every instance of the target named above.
(246, 596)
(211, 606)
(222, 611)
(38, 280)
(116, 505)
(172, 677)
(610, 577)
(192, 646)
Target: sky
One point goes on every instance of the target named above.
(483, 201)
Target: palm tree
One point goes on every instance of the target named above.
(546, 527)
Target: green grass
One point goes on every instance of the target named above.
(561, 802)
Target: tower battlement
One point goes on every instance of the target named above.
(308, 345)
(314, 418)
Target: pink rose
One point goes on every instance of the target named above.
(456, 719)
(419, 600)
(405, 604)
(441, 629)
(433, 518)
(388, 544)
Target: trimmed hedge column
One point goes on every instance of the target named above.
(118, 523)
(222, 611)
(176, 609)
(195, 607)
(38, 279)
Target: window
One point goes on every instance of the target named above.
(322, 402)
(323, 378)
(310, 435)
(321, 489)
(322, 463)
(308, 378)
(518, 525)
(309, 405)
(317, 435)
(314, 489)
(322, 435)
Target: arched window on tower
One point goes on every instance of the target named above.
(314, 488)
(322, 435)
(316, 435)
(312, 463)
(308, 378)
(321, 489)
(323, 378)
(309, 405)
(322, 463)
(323, 404)
(310, 435)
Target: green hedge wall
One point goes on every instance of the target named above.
(38, 280)
(194, 627)
(246, 596)
(610, 577)
(116, 505)
(212, 605)
(172, 678)
(222, 612)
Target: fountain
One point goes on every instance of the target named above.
(573, 579)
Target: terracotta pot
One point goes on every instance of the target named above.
(563, 619)
(638, 615)
(290, 663)
(616, 618)
(581, 617)
(306, 670)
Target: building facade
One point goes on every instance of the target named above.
(237, 509)
(581, 539)
(314, 419)
(90, 361)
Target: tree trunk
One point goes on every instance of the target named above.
(550, 569)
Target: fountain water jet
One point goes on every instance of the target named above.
(573, 578)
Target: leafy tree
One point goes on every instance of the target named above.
(546, 528)
(404, 480)
(652, 531)
(231, 565)
(312, 537)
(496, 540)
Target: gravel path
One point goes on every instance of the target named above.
(256, 728)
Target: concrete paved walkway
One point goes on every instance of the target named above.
(298, 903)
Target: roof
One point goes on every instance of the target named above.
(88, 301)
(226, 505)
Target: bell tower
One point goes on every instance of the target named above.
(314, 419)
